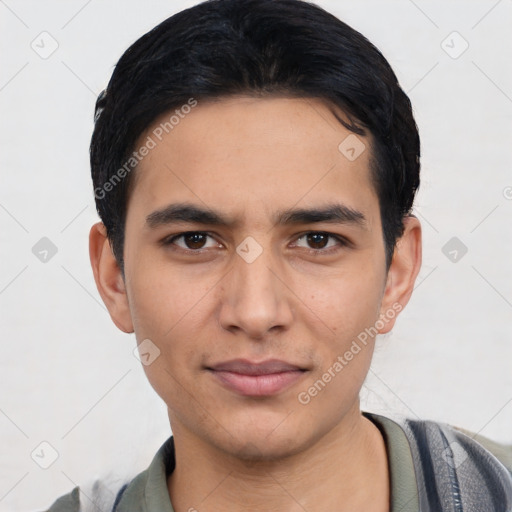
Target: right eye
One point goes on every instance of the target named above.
(190, 241)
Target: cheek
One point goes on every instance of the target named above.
(349, 306)
(163, 300)
(167, 310)
(344, 352)
(346, 303)
(168, 322)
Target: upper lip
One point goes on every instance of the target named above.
(246, 367)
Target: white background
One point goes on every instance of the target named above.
(69, 377)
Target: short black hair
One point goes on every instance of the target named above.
(221, 48)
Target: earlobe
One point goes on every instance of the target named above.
(404, 269)
(108, 277)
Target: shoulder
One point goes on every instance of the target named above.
(67, 503)
(503, 452)
(102, 494)
(456, 466)
(113, 493)
(450, 468)
(455, 445)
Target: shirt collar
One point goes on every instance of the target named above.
(404, 492)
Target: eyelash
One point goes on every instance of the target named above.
(342, 242)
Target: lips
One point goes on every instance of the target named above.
(261, 379)
(245, 367)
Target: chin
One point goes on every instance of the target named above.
(261, 450)
(265, 441)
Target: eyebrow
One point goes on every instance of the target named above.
(336, 213)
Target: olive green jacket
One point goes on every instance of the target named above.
(433, 468)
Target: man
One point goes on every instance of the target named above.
(255, 164)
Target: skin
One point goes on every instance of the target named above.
(248, 158)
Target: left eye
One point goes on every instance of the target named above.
(319, 241)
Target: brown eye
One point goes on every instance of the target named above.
(191, 241)
(321, 242)
(194, 240)
(317, 240)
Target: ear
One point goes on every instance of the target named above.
(404, 268)
(108, 277)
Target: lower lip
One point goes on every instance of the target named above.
(257, 385)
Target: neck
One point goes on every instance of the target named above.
(344, 470)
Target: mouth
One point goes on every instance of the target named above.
(261, 379)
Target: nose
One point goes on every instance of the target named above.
(255, 298)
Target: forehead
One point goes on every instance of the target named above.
(251, 157)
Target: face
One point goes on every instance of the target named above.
(255, 265)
